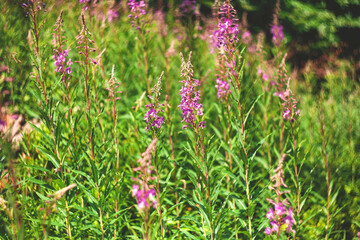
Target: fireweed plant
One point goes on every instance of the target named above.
(143, 190)
(137, 18)
(223, 146)
(154, 121)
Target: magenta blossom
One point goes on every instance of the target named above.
(223, 88)
(142, 190)
(137, 10)
(282, 214)
(188, 6)
(112, 15)
(152, 117)
(227, 31)
(144, 198)
(190, 98)
(62, 66)
(277, 34)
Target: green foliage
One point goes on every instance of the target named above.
(67, 170)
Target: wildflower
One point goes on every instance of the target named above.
(246, 37)
(282, 214)
(263, 74)
(289, 104)
(223, 88)
(152, 116)
(85, 42)
(288, 101)
(268, 231)
(60, 62)
(188, 6)
(277, 29)
(112, 15)
(190, 106)
(2, 125)
(290, 108)
(227, 32)
(277, 34)
(137, 10)
(161, 23)
(143, 192)
(113, 86)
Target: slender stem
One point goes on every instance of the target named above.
(327, 175)
(117, 155)
(70, 111)
(158, 188)
(297, 182)
(98, 106)
(68, 226)
(172, 150)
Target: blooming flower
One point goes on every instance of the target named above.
(190, 98)
(188, 6)
(2, 124)
(289, 104)
(223, 88)
(152, 116)
(281, 214)
(62, 66)
(288, 101)
(112, 15)
(137, 10)
(277, 29)
(277, 34)
(246, 37)
(142, 191)
(227, 32)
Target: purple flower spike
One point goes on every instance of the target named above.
(190, 98)
(112, 15)
(152, 117)
(137, 10)
(223, 88)
(62, 66)
(227, 31)
(187, 7)
(277, 34)
(282, 216)
(142, 191)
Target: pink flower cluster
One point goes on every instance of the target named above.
(152, 117)
(246, 37)
(137, 10)
(188, 6)
(144, 197)
(281, 215)
(223, 88)
(277, 34)
(62, 66)
(289, 103)
(263, 74)
(112, 15)
(143, 192)
(228, 30)
(190, 99)
(2, 125)
(86, 6)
